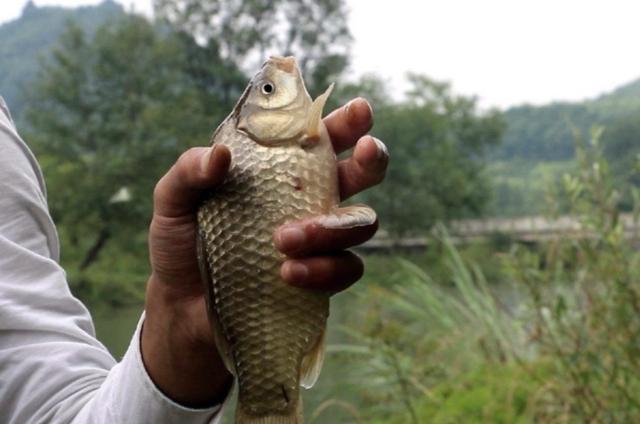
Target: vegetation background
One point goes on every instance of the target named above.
(489, 331)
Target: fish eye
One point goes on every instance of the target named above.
(268, 88)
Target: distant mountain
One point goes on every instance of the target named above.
(24, 41)
(622, 101)
(630, 91)
(543, 133)
(534, 133)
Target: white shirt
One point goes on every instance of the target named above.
(52, 367)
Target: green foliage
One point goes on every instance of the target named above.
(520, 187)
(497, 394)
(370, 87)
(414, 335)
(539, 140)
(114, 326)
(100, 123)
(586, 299)
(437, 141)
(621, 147)
(316, 32)
(113, 112)
(24, 41)
(116, 279)
(558, 344)
(544, 133)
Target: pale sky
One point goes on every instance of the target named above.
(504, 51)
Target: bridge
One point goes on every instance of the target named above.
(531, 229)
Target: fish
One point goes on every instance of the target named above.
(270, 335)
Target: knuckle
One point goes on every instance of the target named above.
(187, 155)
(158, 190)
(184, 161)
(187, 162)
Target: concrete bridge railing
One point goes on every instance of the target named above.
(528, 229)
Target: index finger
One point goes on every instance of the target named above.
(347, 124)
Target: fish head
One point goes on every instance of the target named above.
(276, 107)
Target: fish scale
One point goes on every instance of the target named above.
(269, 325)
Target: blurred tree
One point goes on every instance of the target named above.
(24, 40)
(315, 31)
(369, 86)
(621, 148)
(544, 133)
(108, 117)
(437, 143)
(621, 144)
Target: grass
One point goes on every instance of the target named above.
(413, 334)
(496, 394)
(559, 344)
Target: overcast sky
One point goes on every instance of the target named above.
(504, 51)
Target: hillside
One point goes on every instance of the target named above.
(24, 41)
(539, 147)
(543, 133)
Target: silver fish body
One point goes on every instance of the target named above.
(270, 334)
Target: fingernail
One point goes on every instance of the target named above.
(370, 109)
(358, 115)
(296, 272)
(205, 159)
(347, 107)
(290, 239)
(382, 149)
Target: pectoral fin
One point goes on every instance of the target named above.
(312, 363)
(315, 115)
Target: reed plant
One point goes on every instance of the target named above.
(558, 342)
(414, 334)
(584, 290)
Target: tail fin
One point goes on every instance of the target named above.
(296, 416)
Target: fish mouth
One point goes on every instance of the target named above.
(286, 64)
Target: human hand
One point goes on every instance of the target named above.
(177, 344)
(317, 255)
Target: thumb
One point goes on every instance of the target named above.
(197, 170)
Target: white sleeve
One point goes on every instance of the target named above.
(52, 367)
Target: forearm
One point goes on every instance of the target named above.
(52, 367)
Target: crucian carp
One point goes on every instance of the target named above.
(271, 335)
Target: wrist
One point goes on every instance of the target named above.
(178, 351)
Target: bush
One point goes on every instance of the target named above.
(561, 343)
(585, 296)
